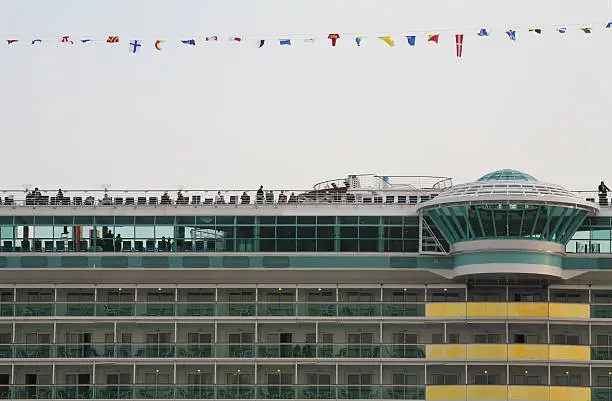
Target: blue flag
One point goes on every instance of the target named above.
(36, 41)
(134, 45)
(358, 40)
(511, 34)
(411, 40)
(609, 25)
(189, 42)
(561, 30)
(483, 32)
(285, 42)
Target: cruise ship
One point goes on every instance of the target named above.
(365, 287)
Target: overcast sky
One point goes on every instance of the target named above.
(230, 115)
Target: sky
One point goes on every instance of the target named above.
(231, 115)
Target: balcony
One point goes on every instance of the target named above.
(211, 309)
(508, 310)
(514, 393)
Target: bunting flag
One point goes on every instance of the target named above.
(459, 44)
(388, 40)
(134, 45)
(137, 45)
(333, 37)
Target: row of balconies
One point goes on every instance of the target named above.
(464, 310)
(445, 352)
(309, 392)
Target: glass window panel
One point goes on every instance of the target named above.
(63, 220)
(411, 221)
(368, 245)
(124, 220)
(325, 232)
(6, 220)
(43, 220)
(325, 245)
(600, 221)
(83, 220)
(347, 245)
(185, 220)
(105, 220)
(267, 219)
(24, 220)
(369, 220)
(306, 245)
(347, 220)
(164, 220)
(126, 231)
(392, 220)
(368, 232)
(285, 220)
(224, 220)
(600, 233)
(244, 232)
(228, 231)
(306, 219)
(306, 232)
(326, 220)
(286, 245)
(245, 219)
(145, 220)
(286, 232)
(267, 232)
(348, 232)
(144, 232)
(411, 232)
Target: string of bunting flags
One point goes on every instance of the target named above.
(136, 45)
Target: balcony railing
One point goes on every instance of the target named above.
(212, 350)
(203, 309)
(219, 198)
(222, 392)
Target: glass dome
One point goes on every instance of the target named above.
(507, 175)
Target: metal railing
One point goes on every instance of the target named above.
(218, 198)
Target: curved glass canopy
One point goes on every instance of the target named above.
(507, 175)
(507, 221)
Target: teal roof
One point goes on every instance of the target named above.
(507, 175)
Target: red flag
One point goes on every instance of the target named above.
(433, 38)
(11, 41)
(459, 44)
(334, 37)
(236, 39)
(66, 39)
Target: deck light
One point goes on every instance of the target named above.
(486, 372)
(238, 370)
(318, 289)
(405, 289)
(567, 373)
(198, 371)
(446, 289)
(526, 372)
(160, 289)
(280, 289)
(119, 289)
(277, 370)
(156, 370)
(610, 373)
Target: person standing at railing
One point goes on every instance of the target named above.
(603, 193)
(260, 194)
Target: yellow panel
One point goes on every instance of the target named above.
(487, 351)
(445, 393)
(570, 352)
(487, 393)
(445, 309)
(445, 351)
(520, 393)
(527, 309)
(487, 309)
(527, 351)
(570, 311)
(558, 393)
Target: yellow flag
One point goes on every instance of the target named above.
(387, 40)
